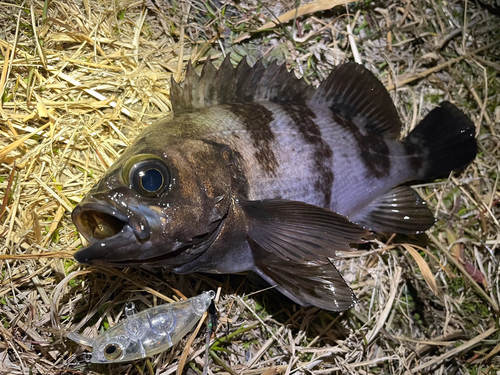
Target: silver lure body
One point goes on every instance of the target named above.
(147, 333)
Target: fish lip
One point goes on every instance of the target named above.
(117, 224)
(105, 226)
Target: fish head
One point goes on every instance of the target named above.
(156, 206)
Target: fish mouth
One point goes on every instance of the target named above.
(108, 230)
(98, 222)
(115, 239)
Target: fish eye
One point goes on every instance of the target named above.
(147, 174)
(112, 352)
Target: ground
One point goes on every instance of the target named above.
(81, 79)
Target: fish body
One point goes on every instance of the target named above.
(258, 171)
(146, 333)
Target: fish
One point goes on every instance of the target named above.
(147, 333)
(258, 171)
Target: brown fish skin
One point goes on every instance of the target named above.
(204, 201)
(258, 172)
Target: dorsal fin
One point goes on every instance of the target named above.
(350, 90)
(237, 85)
(353, 91)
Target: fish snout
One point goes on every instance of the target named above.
(111, 233)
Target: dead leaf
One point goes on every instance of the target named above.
(476, 274)
(458, 251)
(316, 6)
(270, 371)
(424, 268)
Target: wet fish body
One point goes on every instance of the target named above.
(258, 171)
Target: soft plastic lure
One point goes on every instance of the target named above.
(146, 333)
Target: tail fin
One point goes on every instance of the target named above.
(445, 139)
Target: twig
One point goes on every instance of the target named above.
(43, 58)
(452, 353)
(388, 306)
(94, 93)
(187, 348)
(316, 6)
(437, 68)
(6, 196)
(457, 264)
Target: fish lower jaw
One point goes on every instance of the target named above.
(104, 251)
(123, 250)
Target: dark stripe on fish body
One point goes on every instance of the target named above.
(257, 120)
(303, 118)
(373, 149)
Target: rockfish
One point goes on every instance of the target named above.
(258, 171)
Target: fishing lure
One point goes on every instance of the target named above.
(146, 333)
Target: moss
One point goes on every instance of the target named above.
(121, 15)
(433, 98)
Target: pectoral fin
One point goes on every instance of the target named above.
(313, 283)
(299, 231)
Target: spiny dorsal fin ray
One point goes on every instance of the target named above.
(350, 90)
(237, 85)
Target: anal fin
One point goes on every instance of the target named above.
(400, 210)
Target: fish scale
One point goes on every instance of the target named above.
(258, 171)
(296, 181)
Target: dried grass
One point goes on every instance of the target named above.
(79, 80)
